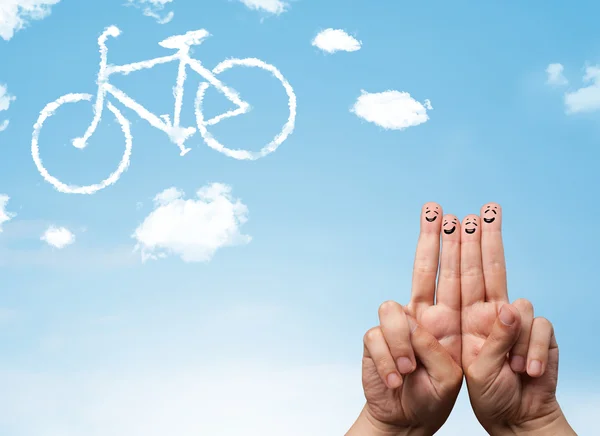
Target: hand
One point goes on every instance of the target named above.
(411, 364)
(509, 396)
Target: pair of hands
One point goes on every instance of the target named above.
(415, 359)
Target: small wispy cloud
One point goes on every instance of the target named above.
(192, 229)
(332, 40)
(555, 75)
(17, 14)
(4, 214)
(587, 98)
(5, 100)
(271, 6)
(392, 110)
(58, 237)
(153, 9)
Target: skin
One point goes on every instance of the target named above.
(411, 362)
(509, 395)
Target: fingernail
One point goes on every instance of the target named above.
(506, 316)
(404, 365)
(517, 363)
(535, 368)
(411, 323)
(394, 380)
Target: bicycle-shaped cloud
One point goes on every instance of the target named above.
(177, 133)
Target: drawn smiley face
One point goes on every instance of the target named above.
(470, 226)
(431, 213)
(450, 226)
(489, 214)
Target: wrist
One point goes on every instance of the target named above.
(554, 424)
(367, 425)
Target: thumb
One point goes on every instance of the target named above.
(504, 335)
(437, 361)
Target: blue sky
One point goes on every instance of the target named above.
(95, 341)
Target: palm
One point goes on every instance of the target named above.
(513, 397)
(518, 395)
(405, 406)
(477, 322)
(418, 400)
(443, 322)
(400, 406)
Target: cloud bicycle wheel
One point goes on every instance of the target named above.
(48, 112)
(241, 154)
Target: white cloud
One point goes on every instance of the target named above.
(192, 229)
(58, 237)
(391, 109)
(4, 214)
(272, 6)
(5, 98)
(555, 75)
(16, 14)
(332, 40)
(5, 101)
(585, 99)
(152, 8)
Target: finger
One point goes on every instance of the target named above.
(471, 270)
(438, 363)
(539, 345)
(518, 355)
(397, 335)
(492, 253)
(552, 367)
(377, 350)
(503, 336)
(427, 256)
(448, 290)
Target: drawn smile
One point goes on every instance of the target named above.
(428, 210)
(494, 210)
(450, 231)
(470, 230)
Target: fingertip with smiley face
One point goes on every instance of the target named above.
(491, 215)
(450, 227)
(431, 215)
(471, 226)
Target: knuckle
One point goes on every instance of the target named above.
(384, 364)
(424, 269)
(399, 347)
(520, 349)
(474, 374)
(524, 305)
(431, 343)
(537, 351)
(471, 271)
(458, 372)
(542, 322)
(449, 273)
(372, 335)
(387, 307)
